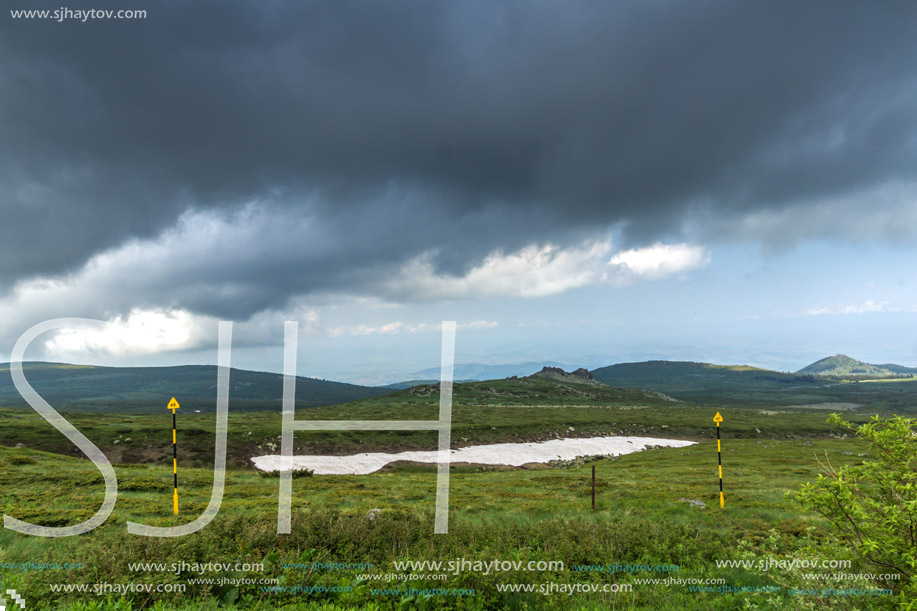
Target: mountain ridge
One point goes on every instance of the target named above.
(481, 371)
(130, 389)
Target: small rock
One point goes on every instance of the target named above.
(127, 440)
(807, 443)
(757, 430)
(863, 454)
(116, 442)
(846, 453)
(20, 445)
(570, 428)
(694, 503)
(372, 514)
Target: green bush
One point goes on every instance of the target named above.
(140, 483)
(874, 504)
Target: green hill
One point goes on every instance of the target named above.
(134, 389)
(410, 383)
(533, 390)
(704, 382)
(742, 385)
(841, 365)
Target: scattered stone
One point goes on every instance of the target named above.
(579, 461)
(757, 430)
(846, 453)
(424, 390)
(580, 376)
(20, 445)
(807, 443)
(127, 440)
(694, 503)
(372, 514)
(116, 442)
(570, 428)
(863, 454)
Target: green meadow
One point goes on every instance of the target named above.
(654, 508)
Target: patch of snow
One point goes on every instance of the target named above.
(514, 454)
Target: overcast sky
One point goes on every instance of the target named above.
(586, 182)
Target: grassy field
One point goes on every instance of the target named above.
(147, 438)
(526, 515)
(644, 512)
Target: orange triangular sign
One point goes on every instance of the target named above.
(716, 418)
(173, 404)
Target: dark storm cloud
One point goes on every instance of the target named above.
(398, 127)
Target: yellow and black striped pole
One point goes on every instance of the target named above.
(719, 455)
(173, 405)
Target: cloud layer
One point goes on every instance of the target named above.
(225, 160)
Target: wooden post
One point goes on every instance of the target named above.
(593, 487)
